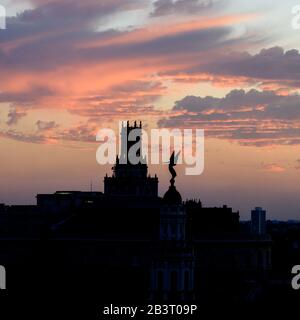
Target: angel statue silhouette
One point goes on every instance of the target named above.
(172, 164)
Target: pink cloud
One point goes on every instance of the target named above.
(273, 167)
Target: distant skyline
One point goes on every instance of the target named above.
(71, 67)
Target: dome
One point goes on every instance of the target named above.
(172, 196)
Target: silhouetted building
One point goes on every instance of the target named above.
(258, 221)
(62, 201)
(129, 242)
(131, 179)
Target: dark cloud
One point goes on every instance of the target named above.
(269, 64)
(79, 133)
(14, 115)
(171, 47)
(82, 132)
(271, 67)
(20, 136)
(122, 101)
(45, 125)
(54, 51)
(67, 14)
(45, 37)
(138, 86)
(235, 99)
(26, 97)
(250, 118)
(110, 111)
(167, 7)
(54, 34)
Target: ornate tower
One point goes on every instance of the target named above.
(131, 179)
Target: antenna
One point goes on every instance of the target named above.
(91, 185)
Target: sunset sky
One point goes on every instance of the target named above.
(71, 67)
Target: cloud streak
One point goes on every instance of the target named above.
(251, 118)
(171, 7)
(272, 67)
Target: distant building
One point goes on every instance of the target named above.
(61, 201)
(258, 221)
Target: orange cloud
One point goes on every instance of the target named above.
(274, 168)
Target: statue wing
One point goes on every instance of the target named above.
(176, 157)
(172, 159)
